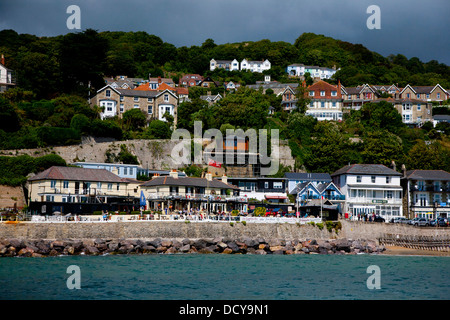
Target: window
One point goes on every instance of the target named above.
(136, 106)
(419, 107)
(118, 187)
(99, 185)
(311, 104)
(121, 98)
(361, 193)
(358, 178)
(322, 104)
(322, 93)
(278, 185)
(266, 185)
(428, 96)
(66, 184)
(388, 194)
(438, 95)
(109, 186)
(333, 93)
(166, 98)
(418, 96)
(108, 93)
(149, 99)
(121, 108)
(135, 99)
(49, 198)
(125, 171)
(373, 179)
(150, 109)
(333, 104)
(311, 93)
(53, 184)
(388, 179)
(408, 95)
(153, 86)
(353, 193)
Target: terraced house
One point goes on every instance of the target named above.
(425, 93)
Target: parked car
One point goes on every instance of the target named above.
(422, 222)
(379, 219)
(413, 221)
(442, 222)
(400, 220)
(433, 222)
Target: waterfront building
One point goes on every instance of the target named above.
(175, 193)
(79, 190)
(295, 178)
(426, 193)
(272, 190)
(122, 170)
(370, 188)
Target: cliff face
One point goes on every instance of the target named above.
(152, 154)
(11, 197)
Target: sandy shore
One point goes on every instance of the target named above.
(401, 251)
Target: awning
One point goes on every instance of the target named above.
(275, 197)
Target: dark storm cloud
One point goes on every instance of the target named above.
(411, 27)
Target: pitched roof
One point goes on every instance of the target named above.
(188, 182)
(428, 175)
(308, 176)
(375, 169)
(77, 174)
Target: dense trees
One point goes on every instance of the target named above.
(50, 66)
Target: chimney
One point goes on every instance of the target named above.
(155, 175)
(159, 79)
(115, 170)
(404, 170)
(3, 59)
(174, 174)
(224, 178)
(208, 176)
(393, 165)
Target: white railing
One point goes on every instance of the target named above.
(173, 218)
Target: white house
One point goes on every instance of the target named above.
(6, 76)
(255, 66)
(229, 65)
(370, 188)
(299, 70)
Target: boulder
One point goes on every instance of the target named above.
(166, 243)
(227, 251)
(343, 244)
(185, 248)
(260, 251)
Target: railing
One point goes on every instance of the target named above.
(194, 197)
(172, 218)
(435, 243)
(326, 197)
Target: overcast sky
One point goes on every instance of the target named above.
(411, 27)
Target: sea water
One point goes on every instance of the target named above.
(230, 277)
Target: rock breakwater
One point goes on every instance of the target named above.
(220, 245)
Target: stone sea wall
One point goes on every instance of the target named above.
(147, 237)
(245, 245)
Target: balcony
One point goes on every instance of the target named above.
(326, 197)
(195, 197)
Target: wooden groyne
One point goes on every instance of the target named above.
(434, 243)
